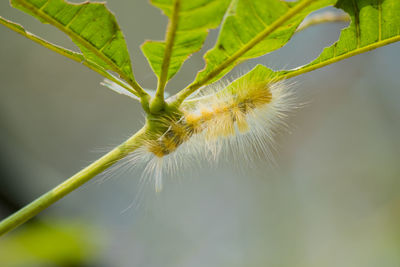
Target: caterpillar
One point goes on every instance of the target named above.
(232, 118)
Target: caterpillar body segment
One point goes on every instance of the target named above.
(238, 119)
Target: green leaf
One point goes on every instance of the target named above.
(195, 18)
(91, 26)
(253, 28)
(19, 29)
(78, 57)
(53, 243)
(375, 23)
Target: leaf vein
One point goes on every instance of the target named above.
(250, 3)
(44, 5)
(75, 16)
(109, 41)
(357, 23)
(379, 20)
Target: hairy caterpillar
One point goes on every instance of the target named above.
(235, 118)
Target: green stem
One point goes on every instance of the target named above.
(72, 183)
(158, 102)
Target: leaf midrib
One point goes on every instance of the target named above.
(187, 11)
(290, 74)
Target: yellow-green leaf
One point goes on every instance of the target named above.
(50, 243)
(253, 28)
(91, 26)
(374, 23)
(195, 18)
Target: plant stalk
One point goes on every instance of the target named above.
(158, 101)
(72, 183)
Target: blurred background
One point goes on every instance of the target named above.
(331, 199)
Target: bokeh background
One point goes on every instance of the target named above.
(331, 199)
